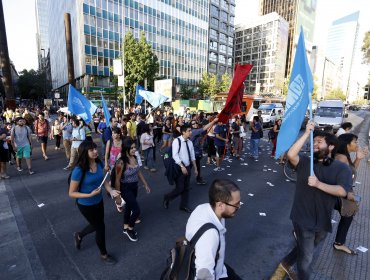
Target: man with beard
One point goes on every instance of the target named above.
(314, 199)
(224, 202)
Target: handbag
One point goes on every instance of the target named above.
(348, 208)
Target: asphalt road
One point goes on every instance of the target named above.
(255, 243)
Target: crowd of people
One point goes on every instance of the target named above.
(134, 141)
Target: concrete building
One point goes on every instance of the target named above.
(263, 43)
(177, 31)
(221, 36)
(341, 46)
(298, 13)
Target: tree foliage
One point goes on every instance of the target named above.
(32, 84)
(225, 83)
(336, 93)
(140, 63)
(207, 86)
(186, 91)
(366, 48)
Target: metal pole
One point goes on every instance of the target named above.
(146, 88)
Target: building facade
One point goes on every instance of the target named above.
(263, 43)
(341, 46)
(298, 13)
(221, 36)
(42, 36)
(177, 31)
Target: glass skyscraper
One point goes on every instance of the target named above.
(42, 37)
(298, 13)
(176, 29)
(263, 43)
(341, 45)
(221, 36)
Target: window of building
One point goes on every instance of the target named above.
(222, 69)
(223, 48)
(212, 67)
(213, 45)
(221, 58)
(87, 39)
(94, 61)
(223, 26)
(214, 21)
(101, 61)
(231, 40)
(212, 56)
(213, 33)
(223, 38)
(88, 59)
(224, 4)
(214, 11)
(229, 61)
(224, 15)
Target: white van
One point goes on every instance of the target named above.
(269, 112)
(331, 113)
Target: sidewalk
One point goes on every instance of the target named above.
(18, 258)
(332, 265)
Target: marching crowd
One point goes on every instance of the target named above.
(133, 141)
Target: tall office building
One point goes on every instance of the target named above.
(263, 43)
(42, 37)
(298, 13)
(177, 31)
(341, 45)
(221, 36)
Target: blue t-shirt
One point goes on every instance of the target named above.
(90, 183)
(102, 126)
(222, 131)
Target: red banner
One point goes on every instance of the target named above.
(235, 97)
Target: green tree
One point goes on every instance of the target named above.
(32, 84)
(315, 88)
(208, 86)
(225, 83)
(366, 48)
(186, 91)
(336, 93)
(286, 86)
(140, 63)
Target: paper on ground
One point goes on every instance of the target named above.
(251, 194)
(362, 249)
(333, 221)
(239, 180)
(262, 214)
(41, 205)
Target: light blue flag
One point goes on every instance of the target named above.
(105, 111)
(138, 97)
(80, 105)
(299, 93)
(154, 98)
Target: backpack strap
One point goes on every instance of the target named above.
(200, 232)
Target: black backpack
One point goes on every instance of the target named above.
(181, 262)
(171, 167)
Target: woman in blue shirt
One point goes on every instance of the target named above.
(87, 176)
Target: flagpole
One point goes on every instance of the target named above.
(311, 137)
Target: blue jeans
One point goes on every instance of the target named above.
(254, 147)
(302, 253)
(148, 158)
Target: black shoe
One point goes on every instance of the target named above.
(108, 259)
(186, 209)
(78, 241)
(131, 234)
(166, 203)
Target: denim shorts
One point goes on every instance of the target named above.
(166, 137)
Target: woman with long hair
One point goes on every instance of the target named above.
(113, 148)
(275, 133)
(86, 183)
(167, 134)
(348, 144)
(126, 177)
(147, 145)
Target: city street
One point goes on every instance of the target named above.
(257, 238)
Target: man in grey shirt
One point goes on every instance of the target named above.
(21, 141)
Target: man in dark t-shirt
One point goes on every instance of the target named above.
(314, 198)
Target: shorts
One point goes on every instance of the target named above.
(24, 152)
(220, 151)
(4, 155)
(43, 139)
(166, 137)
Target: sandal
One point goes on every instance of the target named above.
(343, 248)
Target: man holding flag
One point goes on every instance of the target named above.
(318, 185)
